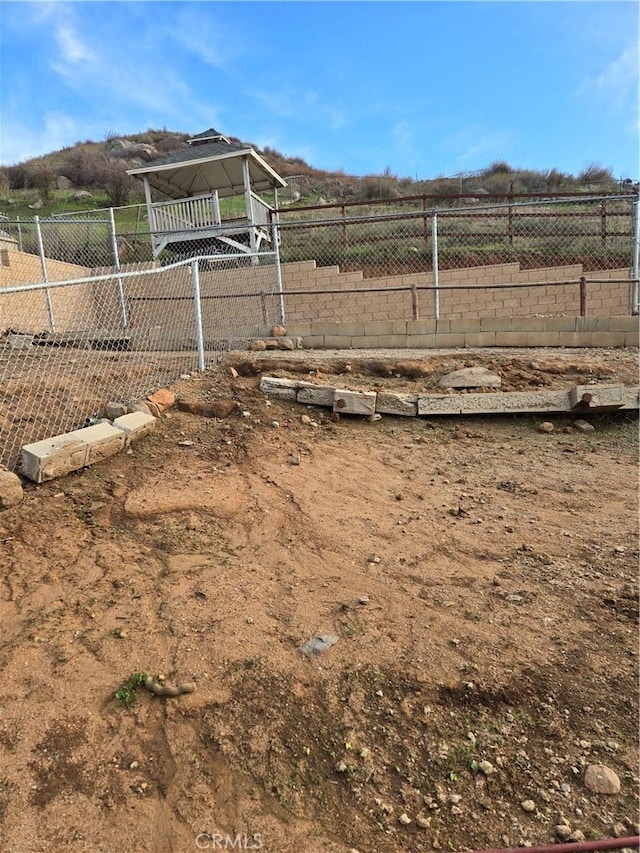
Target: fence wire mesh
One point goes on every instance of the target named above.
(413, 237)
(69, 347)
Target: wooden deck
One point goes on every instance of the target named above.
(198, 220)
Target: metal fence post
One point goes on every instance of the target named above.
(19, 224)
(45, 277)
(124, 322)
(434, 255)
(197, 307)
(275, 242)
(634, 306)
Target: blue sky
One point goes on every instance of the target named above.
(421, 88)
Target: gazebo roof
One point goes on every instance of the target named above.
(206, 166)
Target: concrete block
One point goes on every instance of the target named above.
(559, 324)
(596, 397)
(392, 341)
(421, 327)
(632, 398)
(281, 389)
(135, 426)
(495, 324)
(511, 339)
(527, 324)
(421, 341)
(52, 457)
(298, 330)
(397, 404)
(354, 402)
(624, 324)
(480, 339)
(102, 440)
(574, 339)
(439, 404)
(313, 341)
(632, 339)
(515, 401)
(337, 341)
(465, 325)
(365, 342)
(592, 324)
(322, 328)
(543, 339)
(399, 327)
(450, 341)
(379, 327)
(315, 395)
(350, 329)
(607, 339)
(443, 327)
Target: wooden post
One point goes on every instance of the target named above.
(414, 301)
(583, 296)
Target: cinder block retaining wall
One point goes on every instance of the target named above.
(471, 300)
(94, 306)
(471, 332)
(73, 307)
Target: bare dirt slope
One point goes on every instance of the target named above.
(481, 579)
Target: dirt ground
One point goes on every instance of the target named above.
(481, 579)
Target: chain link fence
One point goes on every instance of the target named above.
(69, 346)
(414, 235)
(87, 316)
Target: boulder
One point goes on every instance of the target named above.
(601, 779)
(10, 489)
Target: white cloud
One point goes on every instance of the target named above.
(73, 49)
(22, 143)
(617, 81)
(475, 146)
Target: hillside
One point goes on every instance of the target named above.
(40, 184)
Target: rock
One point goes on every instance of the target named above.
(38, 204)
(140, 406)
(11, 492)
(214, 409)
(546, 426)
(298, 342)
(278, 331)
(404, 819)
(563, 831)
(376, 416)
(162, 399)
(601, 779)
(486, 767)
(114, 410)
(271, 343)
(305, 419)
(295, 460)
(423, 821)
(317, 645)
(233, 373)
(286, 343)
(258, 346)
(82, 195)
(584, 426)
(528, 806)
(471, 377)
(63, 183)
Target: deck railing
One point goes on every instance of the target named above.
(188, 213)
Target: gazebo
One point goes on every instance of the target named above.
(183, 192)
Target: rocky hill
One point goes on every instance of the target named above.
(101, 166)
